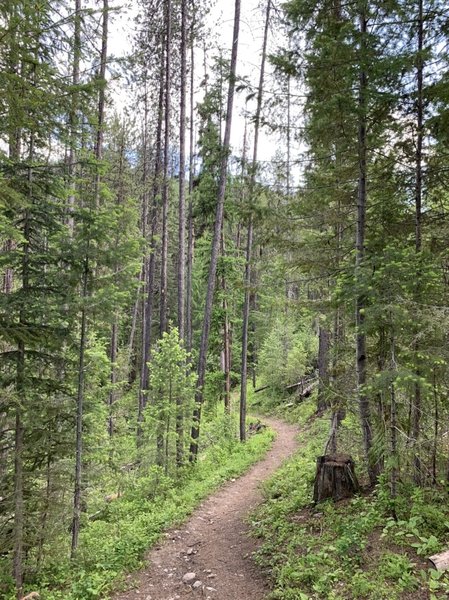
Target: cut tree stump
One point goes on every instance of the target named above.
(335, 478)
(440, 562)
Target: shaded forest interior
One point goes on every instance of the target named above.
(184, 235)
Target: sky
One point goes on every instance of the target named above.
(220, 22)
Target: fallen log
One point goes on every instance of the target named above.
(305, 387)
(440, 561)
(335, 478)
(261, 389)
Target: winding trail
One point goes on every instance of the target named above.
(213, 546)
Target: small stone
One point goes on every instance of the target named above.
(190, 551)
(189, 577)
(210, 589)
(197, 584)
(211, 575)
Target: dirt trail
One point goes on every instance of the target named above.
(212, 548)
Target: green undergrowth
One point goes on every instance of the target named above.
(116, 543)
(288, 407)
(352, 549)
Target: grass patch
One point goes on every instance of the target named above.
(117, 542)
(352, 549)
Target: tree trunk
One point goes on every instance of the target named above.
(113, 360)
(361, 361)
(182, 221)
(226, 338)
(113, 348)
(18, 496)
(79, 418)
(416, 410)
(435, 428)
(191, 238)
(323, 368)
(98, 150)
(216, 241)
(249, 241)
(335, 478)
(166, 184)
(149, 265)
(73, 110)
(393, 432)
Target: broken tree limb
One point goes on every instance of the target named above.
(440, 561)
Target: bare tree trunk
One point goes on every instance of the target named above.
(166, 185)
(149, 266)
(182, 221)
(44, 518)
(249, 241)
(191, 237)
(182, 164)
(226, 337)
(216, 240)
(77, 496)
(113, 348)
(19, 512)
(18, 497)
(288, 133)
(102, 91)
(79, 416)
(393, 431)
(361, 361)
(435, 428)
(113, 376)
(323, 368)
(74, 108)
(416, 411)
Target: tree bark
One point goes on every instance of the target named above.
(335, 478)
(361, 361)
(393, 431)
(166, 184)
(74, 107)
(182, 221)
(98, 152)
(249, 241)
(416, 410)
(216, 240)
(191, 237)
(79, 416)
(323, 367)
(226, 337)
(149, 265)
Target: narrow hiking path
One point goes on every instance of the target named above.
(210, 556)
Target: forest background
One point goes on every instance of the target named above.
(153, 272)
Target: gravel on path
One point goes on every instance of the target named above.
(210, 556)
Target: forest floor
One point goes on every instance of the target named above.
(210, 556)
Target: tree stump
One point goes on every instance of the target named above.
(335, 478)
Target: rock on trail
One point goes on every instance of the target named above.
(210, 557)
